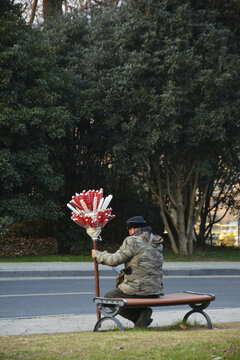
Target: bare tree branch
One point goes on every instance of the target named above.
(189, 175)
(191, 206)
(168, 187)
(163, 209)
(33, 12)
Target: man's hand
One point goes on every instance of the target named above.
(94, 253)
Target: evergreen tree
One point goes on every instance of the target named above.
(32, 121)
(86, 152)
(168, 75)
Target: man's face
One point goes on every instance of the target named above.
(131, 231)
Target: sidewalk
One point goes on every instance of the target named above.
(86, 322)
(49, 269)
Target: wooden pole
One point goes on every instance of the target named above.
(97, 292)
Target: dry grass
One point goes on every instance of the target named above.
(191, 344)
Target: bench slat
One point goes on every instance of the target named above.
(182, 298)
(171, 299)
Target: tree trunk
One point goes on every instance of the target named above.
(168, 228)
(181, 214)
(161, 203)
(179, 200)
(190, 240)
(52, 8)
(202, 228)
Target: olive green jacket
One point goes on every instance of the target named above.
(146, 276)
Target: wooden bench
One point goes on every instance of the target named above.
(109, 308)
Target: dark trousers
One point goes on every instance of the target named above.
(130, 314)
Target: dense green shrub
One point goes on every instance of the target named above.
(27, 246)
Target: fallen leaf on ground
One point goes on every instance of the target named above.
(183, 327)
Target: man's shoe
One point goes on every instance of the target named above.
(144, 318)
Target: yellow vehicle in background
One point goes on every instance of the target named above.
(228, 235)
(223, 234)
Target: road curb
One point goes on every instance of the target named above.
(201, 272)
(110, 273)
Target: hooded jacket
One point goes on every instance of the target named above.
(146, 275)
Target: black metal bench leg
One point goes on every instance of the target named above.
(209, 322)
(99, 322)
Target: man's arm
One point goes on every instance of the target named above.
(121, 256)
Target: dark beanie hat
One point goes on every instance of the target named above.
(136, 222)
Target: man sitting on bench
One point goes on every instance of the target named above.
(141, 252)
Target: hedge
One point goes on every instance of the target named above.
(27, 246)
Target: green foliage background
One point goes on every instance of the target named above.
(89, 101)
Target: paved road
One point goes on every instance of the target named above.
(73, 295)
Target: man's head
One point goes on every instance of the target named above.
(135, 223)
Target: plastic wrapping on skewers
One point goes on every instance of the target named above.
(90, 210)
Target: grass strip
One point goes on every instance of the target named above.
(190, 344)
(213, 253)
